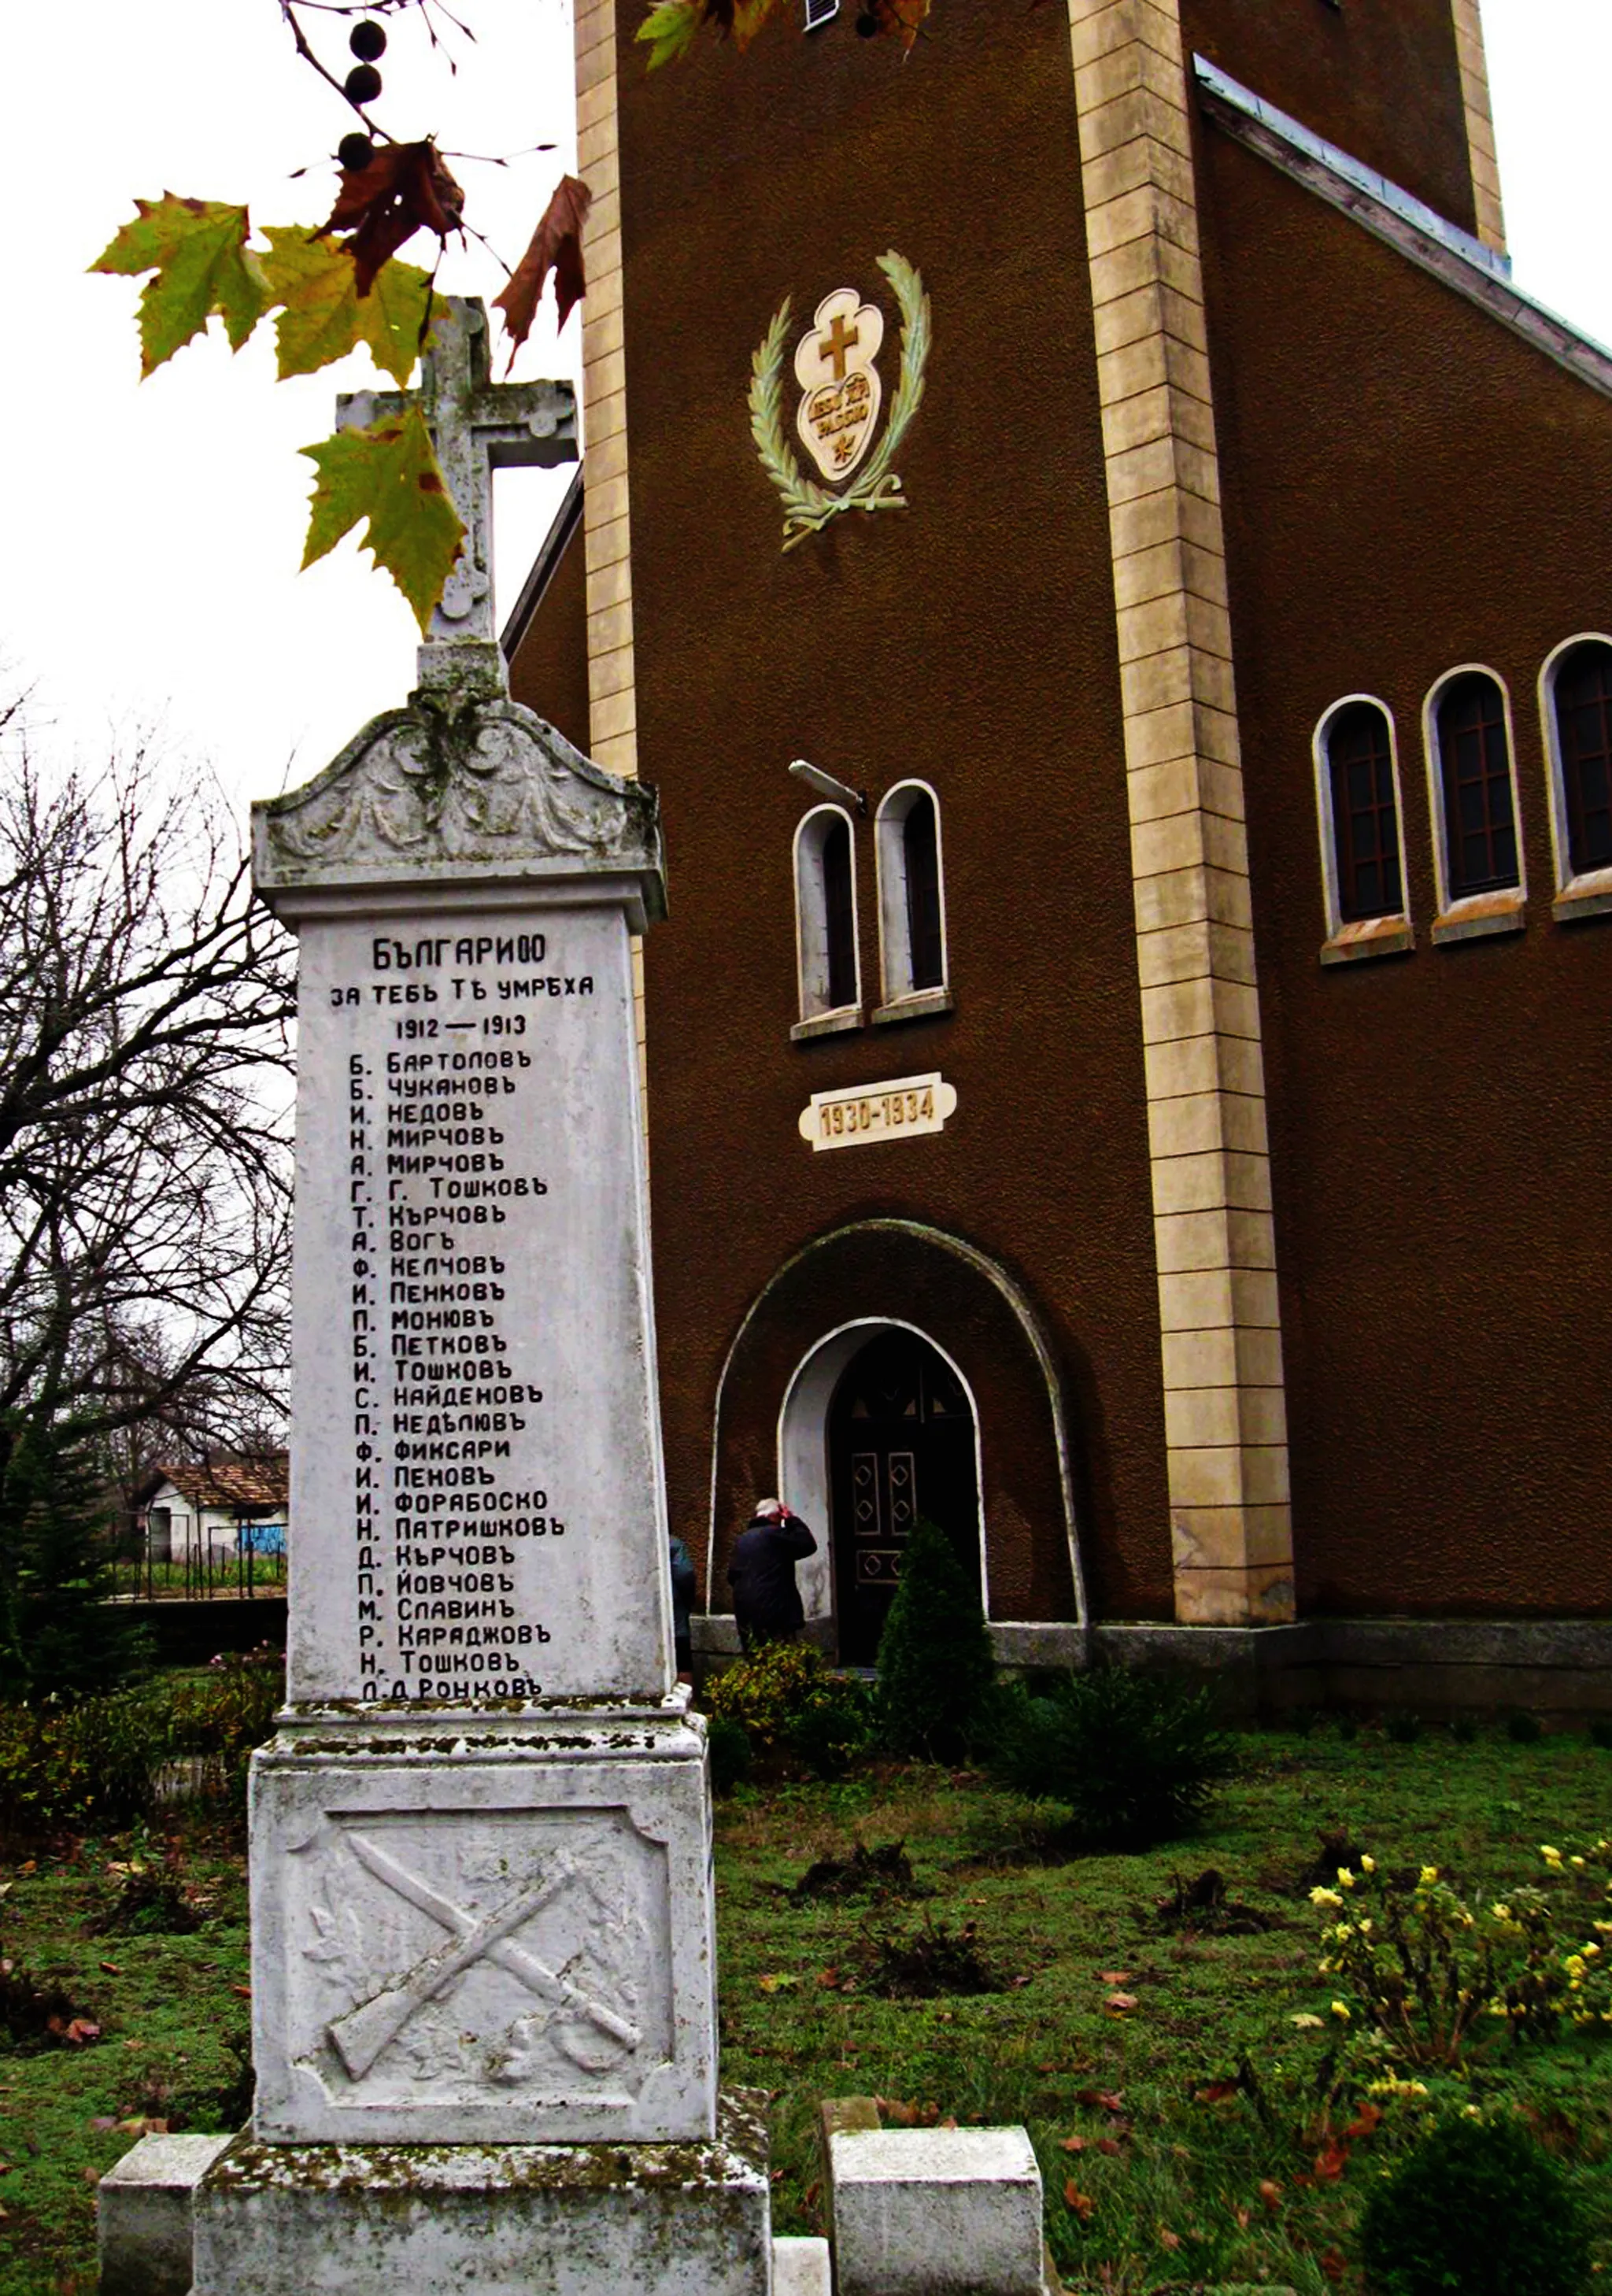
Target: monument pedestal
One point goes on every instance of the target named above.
(484, 1927)
(490, 2220)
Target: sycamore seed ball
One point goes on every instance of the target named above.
(354, 151)
(367, 42)
(362, 84)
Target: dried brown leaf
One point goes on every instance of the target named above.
(404, 188)
(556, 246)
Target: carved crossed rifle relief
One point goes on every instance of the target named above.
(517, 1956)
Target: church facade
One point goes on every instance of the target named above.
(1112, 585)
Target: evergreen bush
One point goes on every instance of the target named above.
(936, 1670)
(60, 1635)
(1478, 2208)
(1133, 1757)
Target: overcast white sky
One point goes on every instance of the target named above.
(152, 532)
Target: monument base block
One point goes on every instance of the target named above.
(487, 1928)
(490, 2220)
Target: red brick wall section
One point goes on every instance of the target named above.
(1380, 78)
(1442, 1130)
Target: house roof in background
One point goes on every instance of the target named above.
(263, 1482)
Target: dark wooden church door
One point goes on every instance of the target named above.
(901, 1444)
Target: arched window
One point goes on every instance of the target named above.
(911, 901)
(1365, 813)
(1362, 836)
(825, 920)
(1577, 694)
(1478, 809)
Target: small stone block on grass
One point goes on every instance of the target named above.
(800, 2268)
(145, 2208)
(922, 2211)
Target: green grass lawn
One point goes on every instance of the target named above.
(1169, 2191)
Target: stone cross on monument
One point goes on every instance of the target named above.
(483, 2003)
(478, 426)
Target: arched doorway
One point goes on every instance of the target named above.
(901, 1444)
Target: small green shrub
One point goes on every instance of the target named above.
(1478, 2208)
(91, 1763)
(729, 1746)
(1134, 1757)
(1405, 1729)
(935, 1670)
(1464, 1730)
(1429, 1975)
(230, 1711)
(1601, 1731)
(787, 1700)
(101, 1761)
(1524, 1729)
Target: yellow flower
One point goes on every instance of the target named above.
(1368, 1864)
(1577, 1861)
(1430, 1874)
(1306, 2022)
(1346, 1880)
(1341, 2009)
(1325, 1897)
(1501, 1913)
(1551, 1857)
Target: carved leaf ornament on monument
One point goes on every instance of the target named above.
(842, 397)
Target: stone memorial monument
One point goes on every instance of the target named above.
(482, 1950)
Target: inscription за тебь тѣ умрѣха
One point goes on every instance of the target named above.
(467, 1259)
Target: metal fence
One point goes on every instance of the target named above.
(207, 1572)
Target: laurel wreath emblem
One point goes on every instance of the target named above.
(808, 507)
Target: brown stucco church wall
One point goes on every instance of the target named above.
(1410, 488)
(1379, 77)
(968, 640)
(550, 668)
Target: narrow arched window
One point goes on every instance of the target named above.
(840, 909)
(825, 916)
(1474, 782)
(1365, 813)
(1582, 697)
(912, 899)
(920, 857)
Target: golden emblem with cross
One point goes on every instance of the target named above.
(841, 397)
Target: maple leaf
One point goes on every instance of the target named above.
(1081, 2203)
(670, 29)
(402, 189)
(388, 475)
(1331, 2161)
(556, 246)
(198, 249)
(315, 281)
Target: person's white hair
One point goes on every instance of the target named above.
(772, 1507)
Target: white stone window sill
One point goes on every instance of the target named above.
(1370, 937)
(919, 1004)
(1590, 896)
(827, 1024)
(1483, 912)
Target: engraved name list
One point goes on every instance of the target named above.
(471, 1245)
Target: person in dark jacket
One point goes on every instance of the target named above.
(683, 1604)
(767, 1607)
